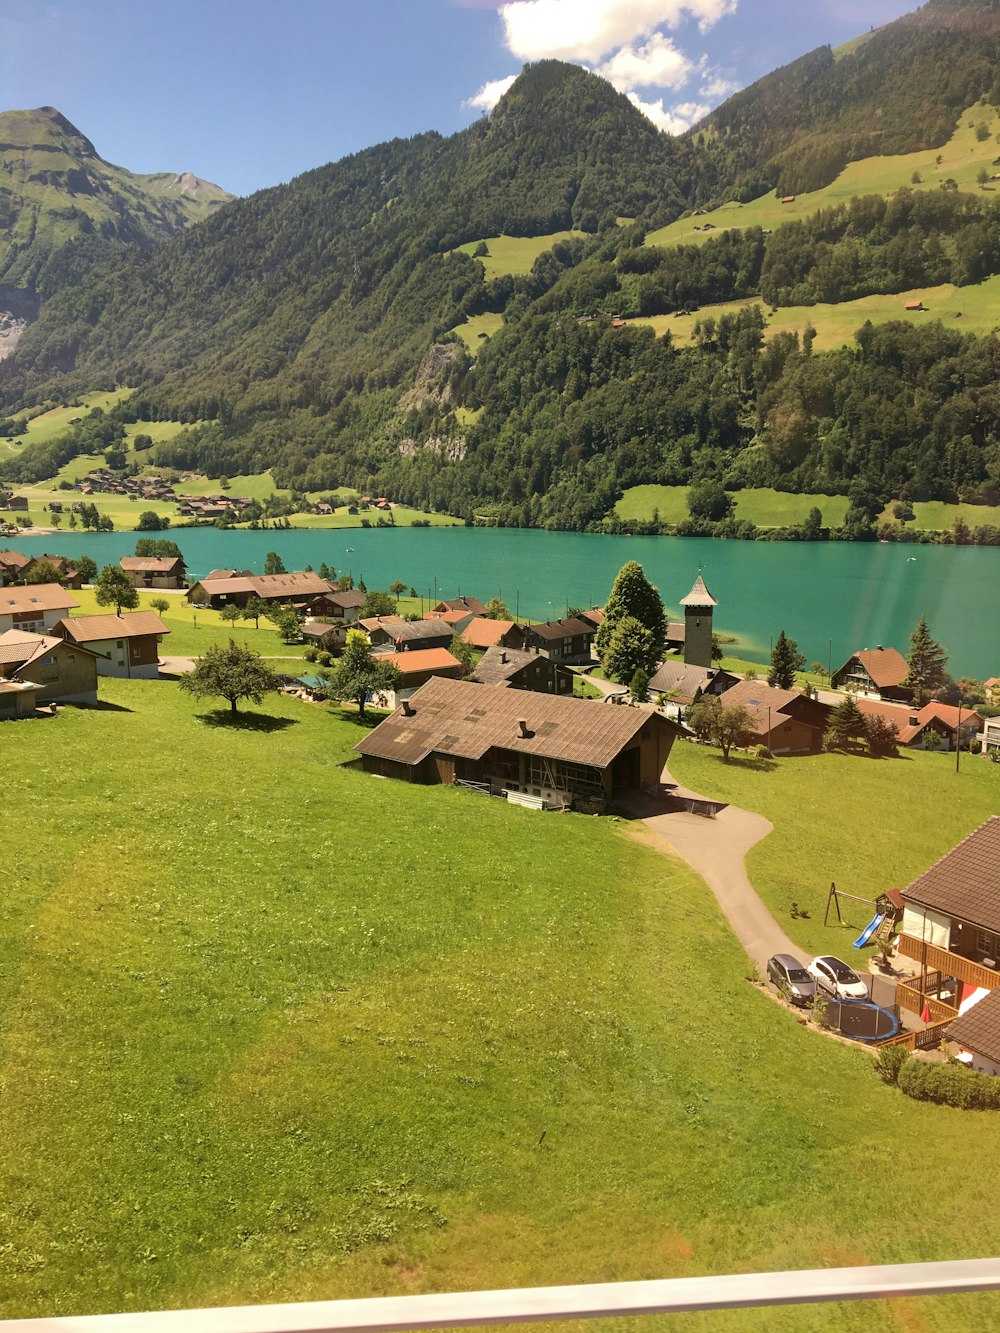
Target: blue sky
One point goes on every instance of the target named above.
(249, 93)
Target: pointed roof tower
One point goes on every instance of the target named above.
(699, 595)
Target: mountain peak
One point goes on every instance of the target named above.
(41, 128)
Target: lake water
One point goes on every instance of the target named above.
(833, 597)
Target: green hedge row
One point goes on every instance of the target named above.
(946, 1084)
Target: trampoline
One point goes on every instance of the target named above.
(861, 1020)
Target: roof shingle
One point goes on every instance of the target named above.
(965, 883)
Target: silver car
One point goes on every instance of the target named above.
(791, 978)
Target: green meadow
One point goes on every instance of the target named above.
(515, 254)
(475, 331)
(761, 505)
(961, 158)
(312, 1034)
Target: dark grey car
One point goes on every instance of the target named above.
(791, 978)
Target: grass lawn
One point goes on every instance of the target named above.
(475, 331)
(403, 516)
(515, 254)
(936, 515)
(193, 629)
(320, 1035)
(869, 825)
(762, 505)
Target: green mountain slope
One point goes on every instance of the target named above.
(63, 208)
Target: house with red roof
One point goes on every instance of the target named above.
(875, 673)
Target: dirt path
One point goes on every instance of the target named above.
(716, 848)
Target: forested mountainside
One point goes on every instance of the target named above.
(333, 331)
(63, 209)
(896, 90)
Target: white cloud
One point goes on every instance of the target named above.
(655, 64)
(719, 87)
(672, 120)
(590, 29)
(490, 93)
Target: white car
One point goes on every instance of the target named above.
(836, 978)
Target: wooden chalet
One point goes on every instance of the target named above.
(296, 589)
(874, 672)
(569, 640)
(508, 668)
(682, 682)
(127, 645)
(36, 608)
(344, 606)
(388, 634)
(61, 672)
(155, 571)
(936, 726)
(951, 928)
(534, 749)
(419, 665)
(472, 604)
(483, 633)
(786, 721)
(12, 563)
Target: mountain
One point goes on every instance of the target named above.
(63, 208)
(375, 322)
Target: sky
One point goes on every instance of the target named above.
(249, 93)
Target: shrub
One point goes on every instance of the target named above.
(889, 1062)
(949, 1085)
(325, 659)
(763, 752)
(311, 654)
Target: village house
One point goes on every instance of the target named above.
(472, 604)
(325, 634)
(125, 645)
(417, 666)
(16, 504)
(991, 687)
(786, 721)
(933, 727)
(36, 608)
(155, 571)
(976, 1032)
(458, 620)
(388, 634)
(507, 668)
(989, 737)
(874, 673)
(344, 606)
(62, 672)
(11, 565)
(535, 749)
(482, 633)
(682, 683)
(67, 576)
(950, 930)
(297, 588)
(569, 640)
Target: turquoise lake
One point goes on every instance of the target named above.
(833, 597)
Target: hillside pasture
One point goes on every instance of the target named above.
(242, 1062)
(475, 331)
(515, 254)
(761, 505)
(961, 158)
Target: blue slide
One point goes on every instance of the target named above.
(869, 930)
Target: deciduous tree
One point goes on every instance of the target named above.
(254, 609)
(233, 673)
(632, 648)
(632, 597)
(273, 563)
(497, 609)
(359, 673)
(113, 587)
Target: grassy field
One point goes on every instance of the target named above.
(869, 825)
(515, 254)
(475, 331)
(403, 516)
(246, 1059)
(762, 505)
(936, 516)
(961, 159)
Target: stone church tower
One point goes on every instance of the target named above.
(698, 606)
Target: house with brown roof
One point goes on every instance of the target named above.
(483, 633)
(933, 727)
(976, 1032)
(388, 634)
(297, 588)
(325, 634)
(66, 575)
(127, 645)
(507, 668)
(951, 927)
(786, 721)
(569, 640)
(456, 619)
(534, 749)
(341, 605)
(166, 571)
(417, 666)
(874, 672)
(62, 672)
(681, 683)
(36, 608)
(472, 604)
(11, 565)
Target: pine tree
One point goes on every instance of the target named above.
(845, 726)
(785, 661)
(926, 664)
(632, 597)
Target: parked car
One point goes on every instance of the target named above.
(791, 978)
(835, 977)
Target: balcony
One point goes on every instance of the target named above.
(951, 964)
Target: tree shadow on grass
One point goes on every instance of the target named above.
(102, 706)
(225, 718)
(753, 763)
(349, 714)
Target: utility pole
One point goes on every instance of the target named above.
(958, 735)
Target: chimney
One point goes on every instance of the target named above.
(503, 656)
(408, 710)
(523, 725)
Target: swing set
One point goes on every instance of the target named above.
(883, 923)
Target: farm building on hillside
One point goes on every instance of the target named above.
(297, 589)
(536, 749)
